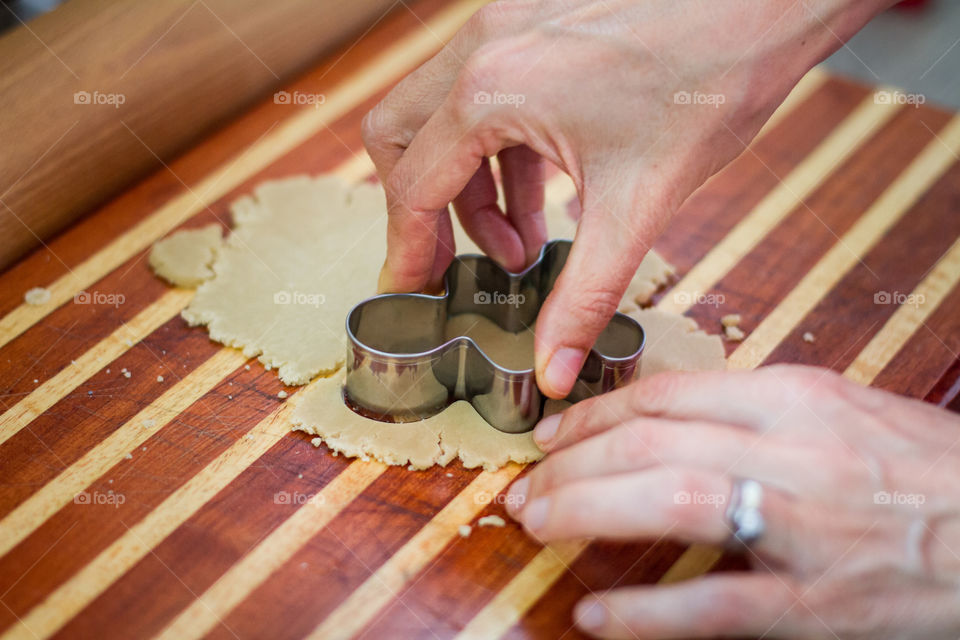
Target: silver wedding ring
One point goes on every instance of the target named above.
(743, 514)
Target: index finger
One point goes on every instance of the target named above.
(434, 169)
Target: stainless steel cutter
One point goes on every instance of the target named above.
(401, 368)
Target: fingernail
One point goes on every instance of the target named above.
(590, 614)
(535, 514)
(562, 370)
(546, 430)
(517, 496)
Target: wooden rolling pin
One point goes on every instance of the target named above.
(169, 69)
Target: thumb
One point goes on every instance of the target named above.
(611, 240)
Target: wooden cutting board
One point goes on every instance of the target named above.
(133, 506)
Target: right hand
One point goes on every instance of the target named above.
(638, 102)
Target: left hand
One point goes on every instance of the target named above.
(861, 503)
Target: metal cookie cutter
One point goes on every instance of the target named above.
(400, 366)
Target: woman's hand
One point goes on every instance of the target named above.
(638, 101)
(861, 500)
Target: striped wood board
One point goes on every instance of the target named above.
(177, 531)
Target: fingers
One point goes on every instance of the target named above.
(739, 399)
(435, 168)
(720, 605)
(523, 175)
(683, 503)
(483, 221)
(627, 506)
(643, 443)
(601, 263)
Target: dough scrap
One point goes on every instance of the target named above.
(37, 296)
(302, 253)
(674, 342)
(183, 258)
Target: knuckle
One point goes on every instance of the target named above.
(370, 127)
(594, 306)
(488, 21)
(685, 512)
(651, 393)
(634, 443)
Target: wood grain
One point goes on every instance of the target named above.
(356, 549)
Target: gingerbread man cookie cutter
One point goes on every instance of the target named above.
(401, 367)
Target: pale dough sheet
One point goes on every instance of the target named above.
(183, 258)
(673, 343)
(302, 253)
(510, 350)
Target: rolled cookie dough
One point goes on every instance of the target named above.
(673, 343)
(183, 258)
(303, 251)
(510, 350)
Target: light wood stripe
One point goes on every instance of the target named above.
(50, 498)
(110, 348)
(889, 208)
(389, 579)
(907, 318)
(83, 587)
(790, 192)
(115, 345)
(522, 592)
(393, 62)
(271, 553)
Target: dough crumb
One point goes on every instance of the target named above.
(449, 475)
(129, 456)
(491, 521)
(282, 395)
(465, 530)
(730, 320)
(246, 367)
(317, 442)
(127, 374)
(159, 378)
(37, 296)
(36, 381)
(183, 258)
(809, 337)
(300, 475)
(734, 334)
